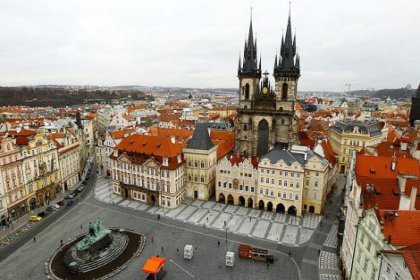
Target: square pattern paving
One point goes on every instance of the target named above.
(276, 227)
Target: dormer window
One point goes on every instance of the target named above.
(165, 161)
(179, 158)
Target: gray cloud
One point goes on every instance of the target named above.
(373, 44)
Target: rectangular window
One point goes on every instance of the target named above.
(279, 182)
(272, 181)
(297, 197)
(261, 191)
(285, 183)
(267, 180)
(252, 189)
(262, 180)
(297, 185)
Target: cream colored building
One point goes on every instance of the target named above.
(149, 169)
(201, 157)
(348, 136)
(12, 188)
(292, 181)
(41, 171)
(237, 180)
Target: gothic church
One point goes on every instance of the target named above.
(266, 115)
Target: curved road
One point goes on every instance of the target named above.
(24, 259)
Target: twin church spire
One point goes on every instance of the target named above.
(287, 63)
(250, 65)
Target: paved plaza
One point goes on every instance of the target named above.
(275, 227)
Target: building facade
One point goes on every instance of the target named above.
(11, 180)
(201, 157)
(149, 169)
(42, 176)
(237, 180)
(266, 116)
(349, 136)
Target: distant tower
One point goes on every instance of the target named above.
(266, 118)
(415, 107)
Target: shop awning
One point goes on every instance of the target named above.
(153, 265)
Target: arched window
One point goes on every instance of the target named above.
(202, 164)
(284, 92)
(245, 127)
(196, 164)
(202, 179)
(247, 91)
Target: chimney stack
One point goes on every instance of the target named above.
(404, 145)
(413, 197)
(393, 164)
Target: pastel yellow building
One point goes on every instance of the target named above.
(349, 136)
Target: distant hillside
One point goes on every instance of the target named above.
(61, 96)
(398, 94)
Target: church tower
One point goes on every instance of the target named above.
(286, 75)
(266, 117)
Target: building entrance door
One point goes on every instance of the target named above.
(195, 194)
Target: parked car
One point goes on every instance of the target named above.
(50, 209)
(60, 203)
(69, 196)
(80, 188)
(75, 193)
(69, 202)
(35, 218)
(58, 206)
(41, 214)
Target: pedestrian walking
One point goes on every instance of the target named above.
(249, 218)
(319, 252)
(151, 238)
(290, 253)
(177, 250)
(61, 242)
(81, 226)
(34, 239)
(162, 249)
(218, 243)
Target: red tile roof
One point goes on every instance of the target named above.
(180, 134)
(411, 256)
(169, 117)
(390, 149)
(23, 133)
(306, 139)
(380, 166)
(118, 134)
(149, 145)
(402, 229)
(328, 151)
(225, 141)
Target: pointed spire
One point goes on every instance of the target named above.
(239, 64)
(250, 58)
(297, 65)
(418, 92)
(275, 61)
(294, 44)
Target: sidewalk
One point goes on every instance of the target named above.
(321, 257)
(23, 221)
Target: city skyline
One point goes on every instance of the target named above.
(197, 45)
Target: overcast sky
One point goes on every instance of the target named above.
(195, 43)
